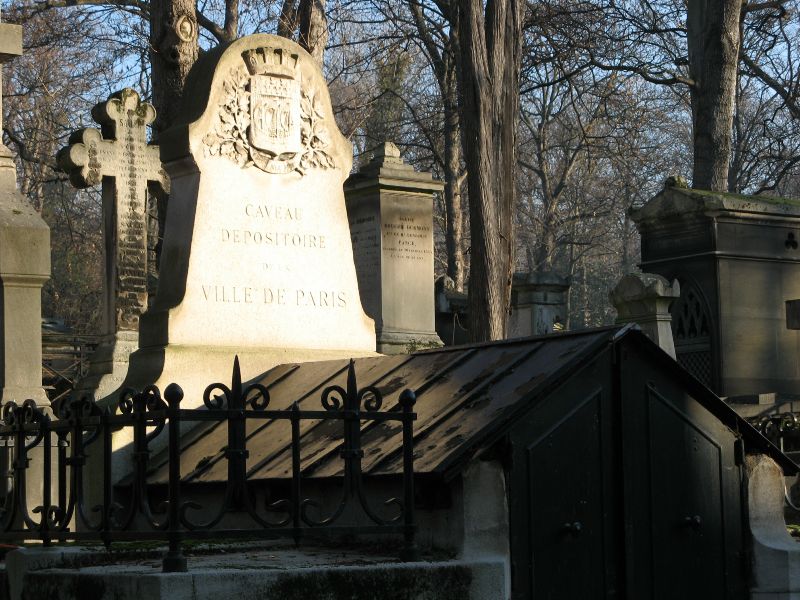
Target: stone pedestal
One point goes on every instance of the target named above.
(645, 299)
(737, 261)
(538, 304)
(24, 268)
(390, 209)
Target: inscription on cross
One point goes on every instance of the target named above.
(120, 157)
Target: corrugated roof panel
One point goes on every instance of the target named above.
(267, 438)
(456, 419)
(458, 390)
(323, 439)
(465, 395)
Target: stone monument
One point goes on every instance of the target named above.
(120, 158)
(737, 261)
(390, 208)
(645, 299)
(538, 304)
(24, 268)
(256, 258)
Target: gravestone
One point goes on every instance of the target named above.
(24, 268)
(538, 304)
(390, 209)
(256, 258)
(118, 156)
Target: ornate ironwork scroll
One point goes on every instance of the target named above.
(63, 451)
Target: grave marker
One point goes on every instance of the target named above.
(119, 157)
(256, 258)
(390, 208)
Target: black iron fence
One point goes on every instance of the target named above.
(782, 429)
(65, 359)
(61, 451)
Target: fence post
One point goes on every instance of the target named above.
(174, 561)
(410, 551)
(295, 418)
(47, 480)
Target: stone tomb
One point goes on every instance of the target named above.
(256, 258)
(737, 261)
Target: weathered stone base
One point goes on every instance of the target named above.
(109, 364)
(405, 342)
(41, 574)
(776, 555)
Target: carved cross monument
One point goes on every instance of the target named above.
(119, 157)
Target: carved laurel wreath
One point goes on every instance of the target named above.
(229, 137)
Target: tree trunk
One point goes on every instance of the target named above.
(288, 21)
(454, 218)
(173, 43)
(714, 38)
(489, 68)
(313, 28)
(173, 51)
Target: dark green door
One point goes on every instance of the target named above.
(567, 507)
(563, 498)
(632, 492)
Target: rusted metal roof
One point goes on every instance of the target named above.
(465, 396)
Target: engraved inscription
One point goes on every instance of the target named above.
(406, 239)
(278, 238)
(366, 245)
(307, 298)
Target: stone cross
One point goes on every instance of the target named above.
(124, 162)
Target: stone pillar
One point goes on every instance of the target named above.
(538, 304)
(390, 210)
(645, 299)
(24, 268)
(775, 557)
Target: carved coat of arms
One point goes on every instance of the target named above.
(267, 119)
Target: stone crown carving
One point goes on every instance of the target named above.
(268, 118)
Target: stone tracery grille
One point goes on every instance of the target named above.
(692, 333)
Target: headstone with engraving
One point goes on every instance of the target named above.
(24, 268)
(390, 208)
(119, 157)
(256, 256)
